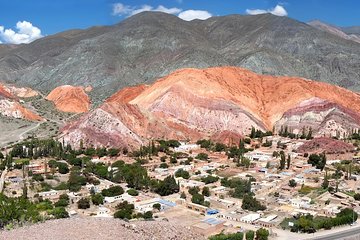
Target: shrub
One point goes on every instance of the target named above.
(97, 199)
(202, 156)
(112, 191)
(132, 192)
(60, 212)
(83, 203)
(157, 206)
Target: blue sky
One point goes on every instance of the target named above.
(28, 20)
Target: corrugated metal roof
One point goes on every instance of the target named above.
(167, 203)
(212, 221)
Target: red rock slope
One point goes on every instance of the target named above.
(70, 99)
(194, 103)
(10, 105)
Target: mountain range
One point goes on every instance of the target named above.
(222, 103)
(150, 45)
(352, 33)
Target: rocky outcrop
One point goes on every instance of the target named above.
(10, 105)
(325, 118)
(70, 99)
(221, 103)
(327, 145)
(21, 92)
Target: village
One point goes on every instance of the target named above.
(265, 182)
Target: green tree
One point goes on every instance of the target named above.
(163, 165)
(63, 201)
(250, 235)
(83, 203)
(157, 206)
(112, 191)
(183, 195)
(167, 186)
(148, 215)
(198, 199)
(245, 162)
(319, 161)
(97, 199)
(292, 183)
(357, 196)
(288, 160)
(182, 173)
(206, 192)
(325, 183)
(282, 160)
(251, 203)
(76, 180)
(60, 212)
(125, 210)
(262, 234)
(202, 156)
(63, 168)
(132, 192)
(230, 236)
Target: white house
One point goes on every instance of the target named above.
(258, 156)
(103, 212)
(303, 202)
(186, 147)
(147, 205)
(250, 218)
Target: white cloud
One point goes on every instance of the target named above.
(120, 9)
(189, 15)
(26, 33)
(278, 10)
(127, 10)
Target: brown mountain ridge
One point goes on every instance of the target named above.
(193, 104)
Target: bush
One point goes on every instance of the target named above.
(164, 165)
(83, 203)
(198, 199)
(63, 168)
(202, 156)
(230, 236)
(357, 196)
(183, 195)
(182, 173)
(194, 190)
(148, 215)
(38, 177)
(167, 186)
(62, 203)
(250, 203)
(262, 234)
(125, 210)
(292, 183)
(132, 192)
(157, 206)
(97, 199)
(60, 212)
(206, 192)
(113, 152)
(250, 235)
(209, 179)
(112, 191)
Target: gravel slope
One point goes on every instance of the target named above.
(100, 228)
